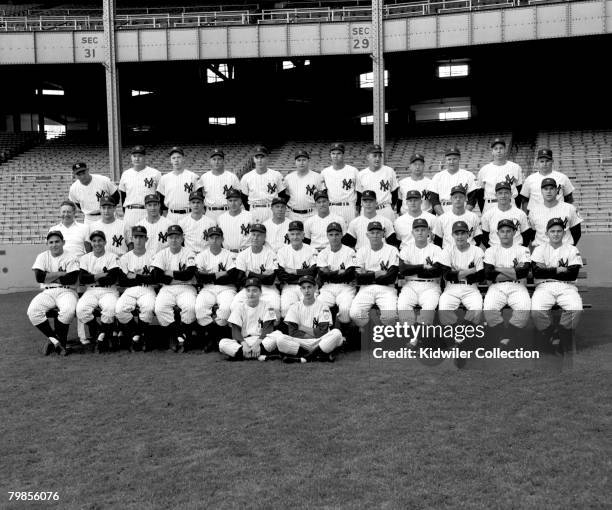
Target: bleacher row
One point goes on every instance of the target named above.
(33, 183)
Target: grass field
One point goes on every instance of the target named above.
(161, 430)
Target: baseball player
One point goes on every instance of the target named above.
(403, 225)
(315, 227)
(462, 269)
(301, 185)
(421, 274)
(235, 223)
(443, 230)
(251, 321)
(382, 180)
(498, 171)
(415, 181)
(506, 266)
(57, 272)
(216, 184)
(176, 186)
(504, 209)
(309, 322)
(155, 224)
(259, 261)
(540, 215)
(75, 234)
(295, 260)
(216, 272)
(555, 267)
(445, 180)
(336, 266)
(377, 266)
(357, 233)
(196, 225)
(137, 279)
(340, 180)
(137, 182)
(174, 267)
(114, 228)
(277, 227)
(88, 189)
(99, 272)
(260, 186)
(532, 187)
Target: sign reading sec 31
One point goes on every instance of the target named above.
(361, 38)
(89, 46)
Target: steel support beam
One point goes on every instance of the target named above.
(378, 71)
(112, 90)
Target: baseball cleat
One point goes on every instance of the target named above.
(136, 344)
(173, 345)
(293, 359)
(101, 343)
(49, 348)
(181, 347)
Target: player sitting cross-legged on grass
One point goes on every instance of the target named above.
(309, 337)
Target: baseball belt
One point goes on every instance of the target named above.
(461, 282)
(134, 206)
(382, 206)
(554, 281)
(235, 251)
(222, 208)
(445, 202)
(301, 211)
(59, 287)
(93, 213)
(99, 286)
(491, 200)
(340, 203)
(419, 280)
(260, 205)
(179, 211)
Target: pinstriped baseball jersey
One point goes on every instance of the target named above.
(413, 255)
(500, 256)
(539, 216)
(137, 184)
(303, 258)
(176, 188)
(168, 261)
(564, 256)
(277, 234)
(344, 258)
(444, 181)
(492, 216)
(250, 320)
(262, 188)
(157, 234)
(382, 181)
(92, 264)
(301, 189)
(207, 262)
(47, 262)
(75, 237)
(195, 232)
(235, 229)
(458, 260)
(138, 264)
(308, 317)
(533, 191)
(117, 235)
(422, 185)
(89, 196)
(358, 228)
(341, 184)
(444, 226)
(403, 226)
(265, 260)
(215, 187)
(379, 260)
(315, 229)
(490, 174)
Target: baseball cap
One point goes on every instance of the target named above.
(217, 152)
(498, 140)
(337, 147)
(97, 233)
(307, 279)
(375, 225)
(413, 193)
(79, 167)
(107, 201)
(460, 226)
(302, 154)
(458, 189)
(214, 231)
(278, 200)
(252, 282)
(261, 150)
(420, 222)
(453, 151)
(503, 185)
(138, 149)
(153, 197)
(549, 181)
(554, 222)
(375, 149)
(334, 227)
(368, 194)
(176, 149)
(175, 229)
(233, 193)
(55, 233)
(258, 227)
(139, 230)
(506, 223)
(322, 193)
(296, 225)
(545, 153)
(196, 195)
(417, 157)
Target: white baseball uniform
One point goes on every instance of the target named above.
(141, 295)
(261, 188)
(341, 294)
(88, 196)
(422, 185)
(540, 215)
(290, 258)
(136, 185)
(215, 188)
(176, 187)
(444, 226)
(358, 228)
(493, 215)
(315, 229)
(213, 293)
(75, 237)
(403, 226)
(157, 234)
(117, 235)
(301, 189)
(236, 233)
(97, 295)
(195, 232)
(490, 174)
(532, 187)
(383, 182)
(443, 181)
(341, 188)
(277, 234)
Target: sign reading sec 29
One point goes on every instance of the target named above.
(360, 36)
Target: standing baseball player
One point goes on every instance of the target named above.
(377, 267)
(506, 266)
(315, 227)
(382, 180)
(137, 279)
(415, 181)
(114, 228)
(137, 182)
(75, 234)
(462, 269)
(341, 180)
(277, 227)
(443, 231)
(301, 185)
(196, 225)
(174, 267)
(504, 209)
(57, 272)
(532, 187)
(357, 234)
(235, 223)
(88, 189)
(498, 171)
(216, 184)
(155, 224)
(260, 186)
(445, 180)
(176, 186)
(540, 215)
(555, 267)
(403, 225)
(99, 273)
(295, 260)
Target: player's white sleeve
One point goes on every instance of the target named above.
(525, 255)
(525, 190)
(236, 316)
(388, 226)
(394, 258)
(437, 229)
(110, 186)
(489, 256)
(485, 219)
(523, 222)
(292, 314)
(161, 187)
(244, 185)
(574, 259)
(352, 229)
(71, 196)
(567, 185)
(478, 258)
(394, 181)
(479, 183)
(574, 217)
(443, 257)
(158, 261)
(538, 255)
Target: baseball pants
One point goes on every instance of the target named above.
(293, 216)
(223, 295)
(456, 294)
(548, 294)
(183, 296)
(230, 347)
(289, 294)
(423, 294)
(141, 296)
(214, 214)
(64, 299)
(175, 218)
(260, 213)
(348, 212)
(269, 294)
(369, 295)
(341, 294)
(290, 345)
(385, 211)
(513, 294)
(131, 217)
(104, 298)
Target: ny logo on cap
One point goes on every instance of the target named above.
(510, 180)
(310, 190)
(205, 235)
(188, 187)
(464, 187)
(149, 182)
(117, 240)
(100, 194)
(287, 241)
(347, 184)
(162, 237)
(271, 188)
(221, 266)
(244, 230)
(385, 185)
(384, 266)
(227, 189)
